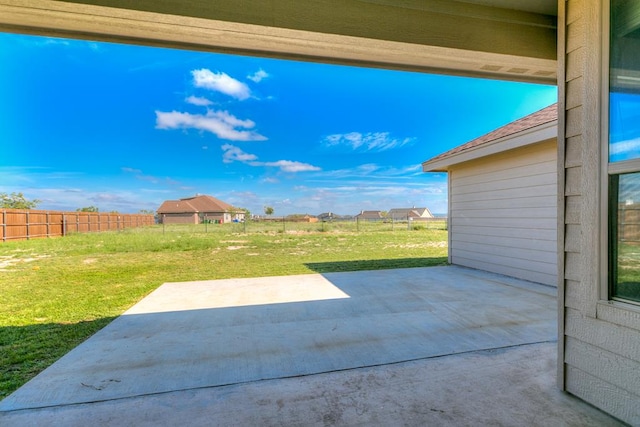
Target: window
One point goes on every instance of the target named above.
(624, 151)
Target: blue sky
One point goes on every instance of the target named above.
(126, 127)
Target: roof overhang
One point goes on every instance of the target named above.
(516, 41)
(535, 135)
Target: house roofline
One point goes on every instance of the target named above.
(541, 133)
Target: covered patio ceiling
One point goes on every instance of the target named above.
(484, 38)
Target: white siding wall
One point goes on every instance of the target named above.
(599, 339)
(504, 213)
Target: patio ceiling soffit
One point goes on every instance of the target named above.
(440, 36)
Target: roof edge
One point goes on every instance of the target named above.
(534, 135)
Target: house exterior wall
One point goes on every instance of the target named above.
(503, 213)
(599, 343)
(215, 216)
(179, 218)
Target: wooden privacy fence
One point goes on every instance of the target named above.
(629, 223)
(18, 224)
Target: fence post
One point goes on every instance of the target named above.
(64, 224)
(77, 222)
(4, 225)
(28, 235)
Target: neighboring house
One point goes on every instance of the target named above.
(370, 216)
(301, 218)
(503, 190)
(330, 216)
(197, 209)
(405, 214)
(588, 48)
(327, 216)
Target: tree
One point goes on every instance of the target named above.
(268, 210)
(147, 212)
(242, 214)
(17, 201)
(88, 209)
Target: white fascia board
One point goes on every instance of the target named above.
(524, 138)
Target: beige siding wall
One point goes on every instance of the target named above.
(504, 213)
(184, 218)
(600, 339)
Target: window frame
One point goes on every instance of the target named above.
(609, 169)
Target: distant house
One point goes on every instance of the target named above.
(503, 199)
(330, 216)
(370, 216)
(327, 216)
(301, 218)
(197, 209)
(400, 214)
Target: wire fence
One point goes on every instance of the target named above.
(282, 225)
(18, 224)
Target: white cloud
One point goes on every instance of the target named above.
(70, 199)
(624, 149)
(150, 178)
(271, 180)
(220, 82)
(130, 170)
(372, 141)
(52, 41)
(258, 76)
(235, 154)
(220, 123)
(289, 166)
(367, 168)
(372, 171)
(199, 101)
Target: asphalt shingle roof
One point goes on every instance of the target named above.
(195, 204)
(546, 115)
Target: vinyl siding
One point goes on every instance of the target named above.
(180, 218)
(599, 339)
(504, 213)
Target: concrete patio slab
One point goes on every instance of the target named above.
(194, 346)
(506, 387)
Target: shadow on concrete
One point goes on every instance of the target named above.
(191, 335)
(375, 264)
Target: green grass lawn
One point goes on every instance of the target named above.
(57, 292)
(628, 269)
